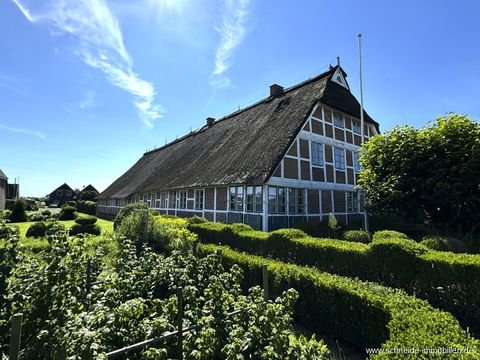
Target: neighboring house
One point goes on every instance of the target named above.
(7, 191)
(291, 157)
(93, 193)
(3, 190)
(61, 195)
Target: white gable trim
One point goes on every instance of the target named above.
(339, 78)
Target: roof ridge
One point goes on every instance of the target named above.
(237, 112)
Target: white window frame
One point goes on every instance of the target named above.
(338, 120)
(339, 158)
(356, 162)
(182, 199)
(318, 158)
(199, 193)
(236, 198)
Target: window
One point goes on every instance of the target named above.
(258, 201)
(339, 159)
(254, 199)
(357, 129)
(338, 120)
(352, 202)
(182, 199)
(236, 198)
(277, 200)
(157, 200)
(356, 162)
(272, 199)
(296, 201)
(163, 200)
(282, 200)
(317, 154)
(145, 198)
(149, 199)
(59, 193)
(199, 199)
(68, 193)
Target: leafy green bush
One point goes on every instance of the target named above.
(46, 212)
(444, 244)
(86, 220)
(36, 217)
(127, 210)
(92, 229)
(37, 230)
(366, 314)
(314, 228)
(5, 214)
(7, 230)
(360, 236)
(134, 297)
(162, 236)
(18, 212)
(388, 234)
(196, 220)
(67, 213)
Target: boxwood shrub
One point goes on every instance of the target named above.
(360, 236)
(37, 230)
(388, 234)
(85, 229)
(67, 213)
(441, 243)
(448, 281)
(86, 220)
(364, 313)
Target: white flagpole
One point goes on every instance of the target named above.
(362, 120)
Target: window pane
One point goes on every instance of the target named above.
(317, 154)
(339, 158)
(239, 198)
(272, 199)
(292, 201)
(282, 200)
(301, 201)
(249, 198)
(232, 198)
(258, 199)
(356, 127)
(356, 161)
(338, 120)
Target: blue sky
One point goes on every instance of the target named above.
(87, 86)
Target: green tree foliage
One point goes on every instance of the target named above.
(432, 173)
(18, 212)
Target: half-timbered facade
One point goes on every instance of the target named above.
(289, 158)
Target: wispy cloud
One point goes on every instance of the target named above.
(38, 134)
(100, 44)
(232, 32)
(11, 83)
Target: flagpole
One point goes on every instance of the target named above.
(362, 120)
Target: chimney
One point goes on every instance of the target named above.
(276, 90)
(210, 121)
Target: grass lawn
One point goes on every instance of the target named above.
(37, 244)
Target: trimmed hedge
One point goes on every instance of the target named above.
(37, 230)
(366, 314)
(85, 229)
(388, 234)
(86, 220)
(441, 243)
(67, 213)
(360, 236)
(448, 281)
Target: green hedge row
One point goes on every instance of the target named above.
(363, 313)
(448, 281)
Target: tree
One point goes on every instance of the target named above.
(18, 212)
(88, 195)
(432, 173)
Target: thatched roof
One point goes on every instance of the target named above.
(244, 147)
(2, 175)
(89, 187)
